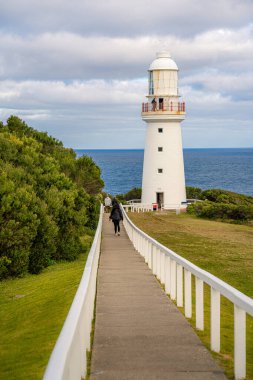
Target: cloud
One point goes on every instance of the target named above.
(68, 56)
(124, 18)
(79, 69)
(99, 108)
(59, 94)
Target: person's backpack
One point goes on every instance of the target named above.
(116, 214)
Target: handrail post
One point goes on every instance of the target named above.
(154, 260)
(149, 255)
(179, 285)
(199, 304)
(158, 263)
(162, 267)
(215, 320)
(152, 257)
(167, 274)
(173, 279)
(239, 343)
(146, 251)
(188, 293)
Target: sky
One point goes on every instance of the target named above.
(78, 69)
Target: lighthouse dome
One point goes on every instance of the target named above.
(163, 61)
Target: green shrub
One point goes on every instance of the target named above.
(223, 211)
(70, 246)
(193, 192)
(4, 266)
(224, 196)
(48, 199)
(134, 193)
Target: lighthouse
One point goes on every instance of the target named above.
(163, 180)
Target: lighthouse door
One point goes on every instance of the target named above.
(159, 199)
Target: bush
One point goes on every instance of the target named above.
(134, 193)
(223, 211)
(48, 199)
(4, 266)
(224, 196)
(193, 192)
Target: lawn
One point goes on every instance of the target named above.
(32, 313)
(222, 249)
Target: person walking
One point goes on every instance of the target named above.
(116, 216)
(108, 203)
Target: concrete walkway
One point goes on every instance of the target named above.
(139, 333)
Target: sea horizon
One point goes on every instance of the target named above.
(207, 168)
(140, 149)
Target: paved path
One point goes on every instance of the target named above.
(139, 333)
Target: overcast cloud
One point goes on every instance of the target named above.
(79, 69)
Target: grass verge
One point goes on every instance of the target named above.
(32, 312)
(222, 249)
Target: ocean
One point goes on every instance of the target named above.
(230, 169)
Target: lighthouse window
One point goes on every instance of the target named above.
(160, 170)
(160, 130)
(151, 83)
(160, 149)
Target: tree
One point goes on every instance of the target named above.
(48, 198)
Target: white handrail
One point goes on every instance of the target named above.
(144, 207)
(68, 359)
(168, 267)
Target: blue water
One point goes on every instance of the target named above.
(230, 169)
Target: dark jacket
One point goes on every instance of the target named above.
(116, 213)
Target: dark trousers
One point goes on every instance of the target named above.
(116, 226)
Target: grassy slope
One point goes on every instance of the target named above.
(32, 312)
(220, 248)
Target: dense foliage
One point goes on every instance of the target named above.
(193, 192)
(222, 204)
(48, 199)
(134, 193)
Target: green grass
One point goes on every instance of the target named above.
(32, 313)
(222, 249)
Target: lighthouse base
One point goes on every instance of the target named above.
(163, 179)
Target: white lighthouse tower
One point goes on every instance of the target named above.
(163, 180)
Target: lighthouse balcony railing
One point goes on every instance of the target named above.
(173, 108)
(176, 274)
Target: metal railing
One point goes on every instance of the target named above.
(175, 273)
(68, 359)
(171, 107)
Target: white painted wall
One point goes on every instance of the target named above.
(172, 181)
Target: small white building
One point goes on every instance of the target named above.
(163, 180)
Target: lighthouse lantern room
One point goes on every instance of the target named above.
(163, 180)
